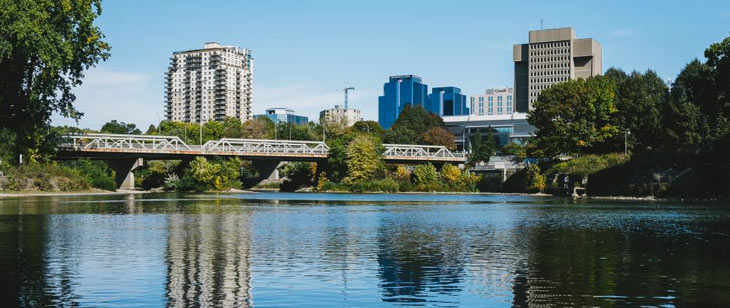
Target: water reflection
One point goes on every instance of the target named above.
(307, 250)
(208, 260)
(415, 262)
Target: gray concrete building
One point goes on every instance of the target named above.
(347, 116)
(552, 56)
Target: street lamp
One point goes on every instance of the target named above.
(626, 141)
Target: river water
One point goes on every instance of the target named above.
(377, 250)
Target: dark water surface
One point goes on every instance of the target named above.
(322, 250)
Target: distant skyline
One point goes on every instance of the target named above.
(305, 51)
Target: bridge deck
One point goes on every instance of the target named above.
(111, 146)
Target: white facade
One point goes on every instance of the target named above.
(209, 84)
(349, 116)
(497, 101)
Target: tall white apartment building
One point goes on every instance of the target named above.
(497, 101)
(209, 84)
(347, 116)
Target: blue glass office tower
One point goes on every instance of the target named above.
(447, 101)
(398, 92)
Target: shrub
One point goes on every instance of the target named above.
(153, 175)
(46, 177)
(380, 185)
(402, 173)
(535, 182)
(203, 175)
(405, 186)
(587, 165)
(469, 181)
(321, 181)
(489, 183)
(172, 182)
(97, 173)
(425, 174)
(451, 174)
(332, 186)
(297, 175)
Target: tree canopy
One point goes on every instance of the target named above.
(45, 47)
(576, 116)
(417, 125)
(114, 127)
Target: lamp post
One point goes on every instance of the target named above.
(626, 142)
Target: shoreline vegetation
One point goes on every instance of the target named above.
(618, 134)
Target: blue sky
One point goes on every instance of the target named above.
(305, 50)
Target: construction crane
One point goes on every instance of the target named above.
(347, 90)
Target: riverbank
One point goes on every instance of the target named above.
(70, 193)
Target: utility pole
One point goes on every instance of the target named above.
(626, 142)
(346, 91)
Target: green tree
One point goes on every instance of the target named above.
(45, 47)
(337, 167)
(412, 122)
(333, 127)
(576, 116)
(482, 147)
(517, 150)
(640, 99)
(151, 130)
(259, 128)
(364, 158)
(371, 127)
(114, 127)
(232, 128)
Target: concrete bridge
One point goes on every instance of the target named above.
(127, 152)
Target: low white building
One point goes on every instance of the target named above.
(349, 116)
(494, 102)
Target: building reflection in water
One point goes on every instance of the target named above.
(415, 262)
(208, 260)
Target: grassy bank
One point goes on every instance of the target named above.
(82, 175)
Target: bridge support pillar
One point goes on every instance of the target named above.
(123, 169)
(268, 170)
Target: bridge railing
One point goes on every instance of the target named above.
(266, 146)
(414, 151)
(93, 141)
